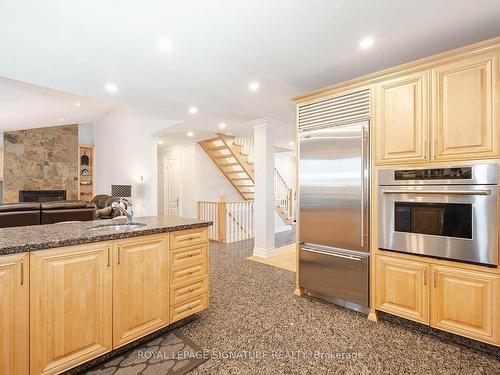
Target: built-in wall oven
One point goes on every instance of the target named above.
(448, 212)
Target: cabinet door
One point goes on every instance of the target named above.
(14, 314)
(70, 306)
(466, 303)
(140, 288)
(463, 113)
(402, 288)
(402, 119)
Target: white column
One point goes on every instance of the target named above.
(263, 154)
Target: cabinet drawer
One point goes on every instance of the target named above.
(188, 256)
(188, 237)
(183, 292)
(189, 307)
(189, 273)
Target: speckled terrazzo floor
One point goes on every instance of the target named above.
(253, 310)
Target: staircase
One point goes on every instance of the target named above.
(233, 156)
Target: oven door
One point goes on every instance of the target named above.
(451, 222)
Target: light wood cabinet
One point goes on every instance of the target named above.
(188, 237)
(402, 119)
(187, 308)
(184, 291)
(140, 288)
(14, 314)
(62, 307)
(464, 121)
(466, 302)
(188, 273)
(70, 306)
(188, 256)
(402, 288)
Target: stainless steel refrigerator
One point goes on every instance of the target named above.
(334, 214)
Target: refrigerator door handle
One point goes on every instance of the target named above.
(351, 257)
(364, 178)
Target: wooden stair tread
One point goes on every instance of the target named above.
(228, 164)
(240, 178)
(223, 156)
(216, 148)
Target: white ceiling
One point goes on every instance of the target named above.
(289, 46)
(24, 106)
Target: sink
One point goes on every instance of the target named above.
(117, 226)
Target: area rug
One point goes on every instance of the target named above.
(285, 257)
(170, 354)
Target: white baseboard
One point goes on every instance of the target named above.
(264, 253)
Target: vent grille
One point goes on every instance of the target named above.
(339, 110)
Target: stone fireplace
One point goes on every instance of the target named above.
(43, 159)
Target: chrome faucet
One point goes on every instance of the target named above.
(126, 207)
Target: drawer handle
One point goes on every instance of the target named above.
(190, 290)
(190, 307)
(190, 255)
(22, 271)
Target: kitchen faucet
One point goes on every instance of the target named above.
(126, 207)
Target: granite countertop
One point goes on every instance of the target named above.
(38, 237)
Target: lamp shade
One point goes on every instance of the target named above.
(123, 191)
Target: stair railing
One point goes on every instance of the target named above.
(246, 147)
(284, 197)
(232, 221)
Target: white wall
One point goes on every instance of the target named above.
(286, 164)
(201, 180)
(86, 134)
(125, 150)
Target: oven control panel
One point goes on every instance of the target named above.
(463, 173)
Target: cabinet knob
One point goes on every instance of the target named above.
(190, 272)
(190, 237)
(190, 290)
(190, 307)
(190, 255)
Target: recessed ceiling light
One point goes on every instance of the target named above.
(193, 110)
(160, 141)
(61, 119)
(253, 86)
(164, 45)
(291, 143)
(366, 43)
(190, 134)
(111, 88)
(222, 125)
(78, 104)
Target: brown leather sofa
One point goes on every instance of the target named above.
(23, 214)
(57, 211)
(103, 202)
(19, 214)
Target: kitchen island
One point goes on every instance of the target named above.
(73, 292)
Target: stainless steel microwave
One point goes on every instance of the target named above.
(448, 212)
